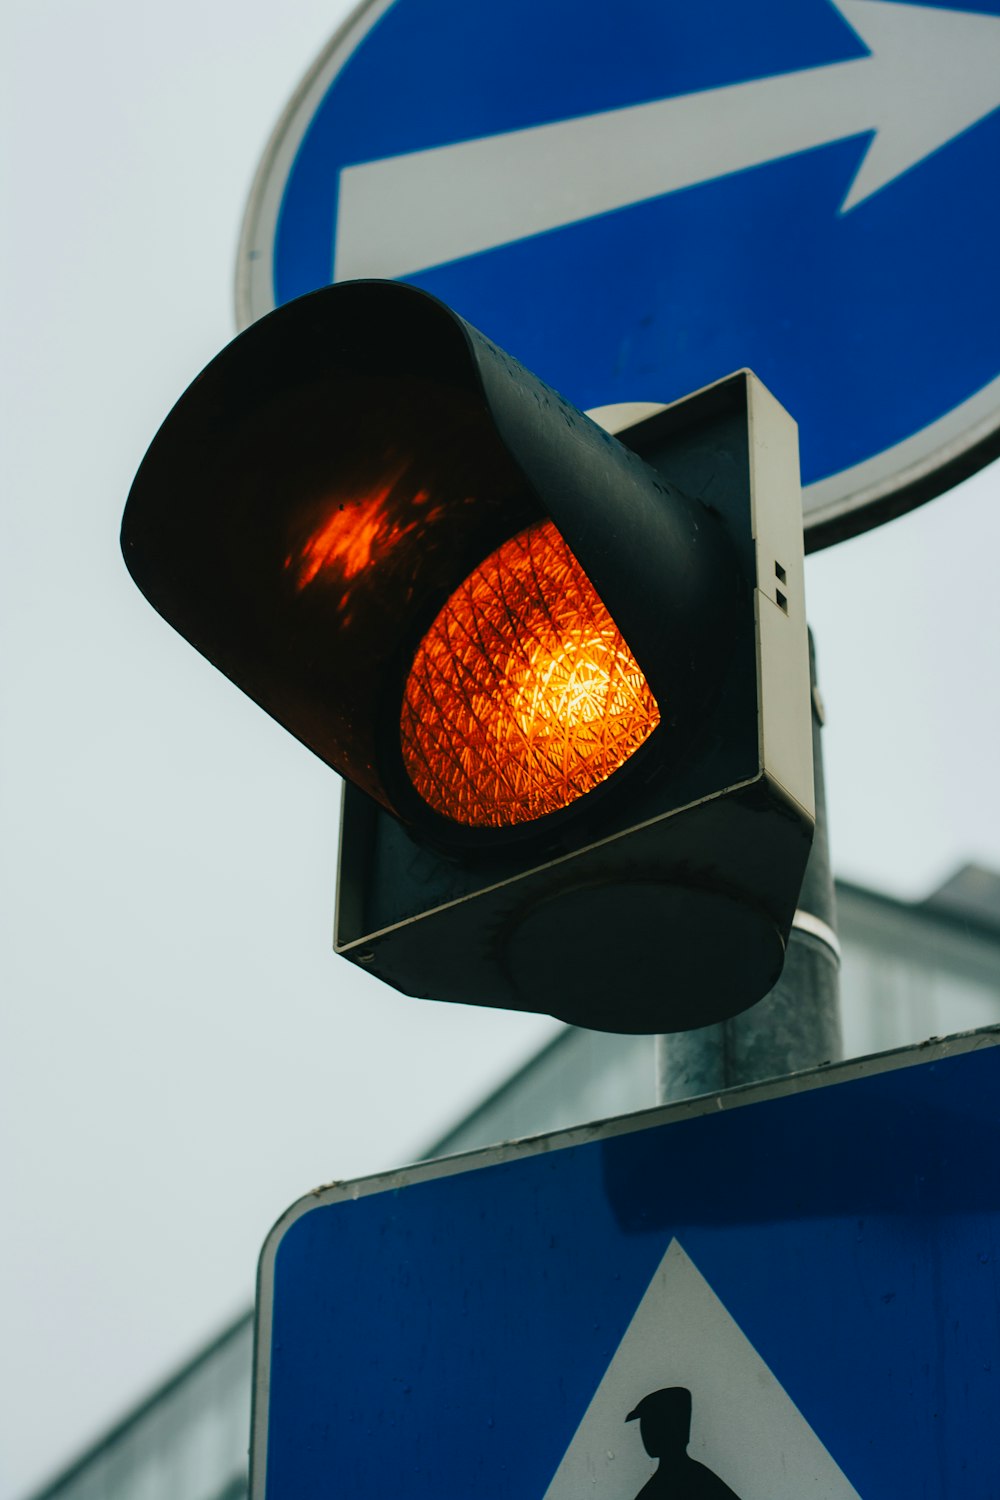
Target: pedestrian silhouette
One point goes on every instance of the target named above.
(665, 1428)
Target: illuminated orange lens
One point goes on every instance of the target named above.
(523, 694)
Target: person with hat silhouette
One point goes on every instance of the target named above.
(665, 1428)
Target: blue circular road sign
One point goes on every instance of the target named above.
(637, 199)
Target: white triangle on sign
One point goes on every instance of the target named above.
(744, 1427)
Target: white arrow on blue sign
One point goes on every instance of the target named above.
(783, 1291)
(637, 199)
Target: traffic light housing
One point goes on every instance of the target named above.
(565, 677)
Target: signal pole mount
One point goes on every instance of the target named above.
(797, 1025)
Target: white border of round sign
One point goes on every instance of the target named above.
(833, 509)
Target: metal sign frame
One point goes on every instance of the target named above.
(931, 1051)
(254, 255)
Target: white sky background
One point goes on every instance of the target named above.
(180, 1054)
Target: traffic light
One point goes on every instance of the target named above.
(565, 677)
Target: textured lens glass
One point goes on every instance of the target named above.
(522, 695)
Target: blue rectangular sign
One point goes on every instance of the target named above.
(782, 1290)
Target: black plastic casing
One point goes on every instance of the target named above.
(662, 899)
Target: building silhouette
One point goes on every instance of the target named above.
(909, 971)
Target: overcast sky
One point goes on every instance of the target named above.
(181, 1054)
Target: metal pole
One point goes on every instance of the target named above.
(797, 1025)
